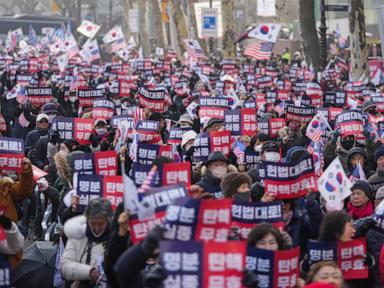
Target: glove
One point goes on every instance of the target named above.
(249, 279)
(5, 222)
(94, 140)
(151, 242)
(336, 135)
(54, 137)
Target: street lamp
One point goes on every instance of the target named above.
(323, 36)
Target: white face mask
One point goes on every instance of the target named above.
(272, 156)
(219, 172)
(72, 99)
(257, 148)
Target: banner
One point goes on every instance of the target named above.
(113, 190)
(158, 199)
(214, 220)
(106, 163)
(201, 147)
(220, 141)
(245, 215)
(252, 158)
(176, 135)
(212, 107)
(148, 129)
(87, 97)
(350, 256)
(300, 114)
(103, 109)
(38, 96)
(289, 180)
(274, 269)
(11, 154)
(3, 125)
(83, 163)
(152, 99)
(240, 121)
(182, 263)
(88, 187)
(350, 123)
(174, 173)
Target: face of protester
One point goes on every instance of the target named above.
(243, 193)
(101, 128)
(269, 242)
(357, 158)
(64, 149)
(380, 163)
(43, 124)
(218, 169)
(329, 275)
(348, 233)
(98, 225)
(359, 198)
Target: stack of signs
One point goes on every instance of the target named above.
(246, 214)
(73, 128)
(93, 186)
(152, 99)
(300, 114)
(240, 121)
(146, 153)
(159, 199)
(289, 180)
(87, 97)
(103, 109)
(350, 256)
(274, 269)
(350, 123)
(195, 264)
(206, 143)
(38, 96)
(11, 154)
(213, 107)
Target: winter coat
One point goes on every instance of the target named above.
(10, 197)
(331, 151)
(73, 261)
(14, 241)
(38, 154)
(210, 183)
(376, 180)
(32, 138)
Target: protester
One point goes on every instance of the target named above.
(326, 272)
(360, 202)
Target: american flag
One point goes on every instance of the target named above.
(316, 149)
(150, 180)
(259, 51)
(74, 83)
(280, 108)
(317, 127)
(238, 150)
(23, 121)
(357, 174)
(138, 115)
(194, 50)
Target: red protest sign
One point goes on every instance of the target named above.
(174, 173)
(106, 163)
(103, 109)
(3, 125)
(220, 141)
(113, 190)
(215, 220)
(350, 258)
(350, 123)
(139, 229)
(224, 264)
(38, 96)
(286, 267)
(11, 154)
(82, 130)
(275, 124)
(249, 121)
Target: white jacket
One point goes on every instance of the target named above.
(73, 265)
(14, 241)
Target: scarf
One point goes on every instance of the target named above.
(362, 212)
(102, 238)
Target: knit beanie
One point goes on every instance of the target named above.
(364, 186)
(379, 152)
(232, 181)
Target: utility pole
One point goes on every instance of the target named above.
(323, 36)
(110, 13)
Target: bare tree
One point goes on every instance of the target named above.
(228, 29)
(180, 23)
(310, 40)
(359, 53)
(157, 23)
(18, 6)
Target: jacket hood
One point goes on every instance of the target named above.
(75, 227)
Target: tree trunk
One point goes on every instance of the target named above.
(144, 37)
(193, 24)
(358, 42)
(180, 24)
(126, 7)
(158, 24)
(310, 40)
(227, 7)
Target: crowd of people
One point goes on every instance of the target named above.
(163, 105)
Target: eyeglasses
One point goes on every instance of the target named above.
(43, 121)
